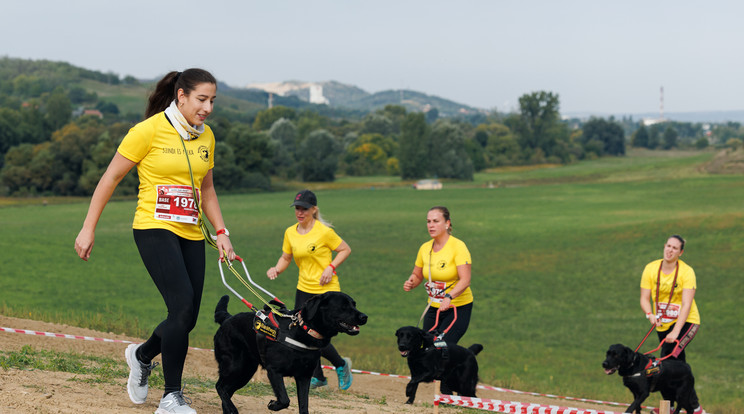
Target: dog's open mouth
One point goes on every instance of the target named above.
(349, 329)
(610, 371)
(404, 354)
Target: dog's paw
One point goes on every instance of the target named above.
(276, 405)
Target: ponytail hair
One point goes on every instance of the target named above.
(167, 88)
(317, 216)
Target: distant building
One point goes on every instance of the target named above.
(316, 94)
(93, 112)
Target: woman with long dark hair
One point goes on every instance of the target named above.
(174, 153)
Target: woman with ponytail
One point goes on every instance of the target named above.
(174, 153)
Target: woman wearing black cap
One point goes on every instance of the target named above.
(312, 242)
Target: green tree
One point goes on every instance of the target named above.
(58, 108)
(604, 137)
(701, 143)
(266, 118)
(414, 147)
(653, 136)
(252, 153)
(670, 138)
(538, 125)
(448, 157)
(640, 137)
(283, 135)
(318, 157)
(377, 123)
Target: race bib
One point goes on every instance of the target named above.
(176, 203)
(436, 290)
(668, 312)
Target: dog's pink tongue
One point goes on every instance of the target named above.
(609, 371)
(403, 353)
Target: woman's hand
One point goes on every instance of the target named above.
(411, 283)
(224, 246)
(445, 304)
(84, 243)
(327, 276)
(272, 273)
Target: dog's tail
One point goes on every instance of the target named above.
(476, 348)
(220, 312)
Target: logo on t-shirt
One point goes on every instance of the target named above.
(441, 264)
(311, 248)
(203, 153)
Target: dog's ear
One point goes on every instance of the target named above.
(312, 306)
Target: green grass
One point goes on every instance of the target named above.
(558, 254)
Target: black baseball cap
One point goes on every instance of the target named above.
(306, 199)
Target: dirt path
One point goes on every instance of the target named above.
(56, 392)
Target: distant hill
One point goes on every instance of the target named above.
(339, 95)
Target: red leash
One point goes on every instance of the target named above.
(659, 347)
(436, 321)
(644, 338)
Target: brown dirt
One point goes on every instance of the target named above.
(33, 391)
(726, 162)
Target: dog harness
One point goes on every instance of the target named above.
(652, 371)
(281, 331)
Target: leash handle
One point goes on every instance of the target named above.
(659, 347)
(436, 322)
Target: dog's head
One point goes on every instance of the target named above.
(411, 339)
(333, 312)
(618, 356)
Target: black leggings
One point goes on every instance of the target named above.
(176, 265)
(688, 332)
(328, 352)
(458, 329)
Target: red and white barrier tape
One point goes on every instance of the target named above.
(510, 407)
(68, 336)
(486, 387)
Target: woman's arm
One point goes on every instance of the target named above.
(646, 306)
(463, 273)
(281, 265)
(417, 276)
(211, 208)
(342, 252)
(115, 172)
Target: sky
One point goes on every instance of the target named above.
(600, 57)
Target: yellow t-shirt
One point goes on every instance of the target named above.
(165, 199)
(312, 253)
(444, 269)
(685, 280)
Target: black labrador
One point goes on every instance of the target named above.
(285, 346)
(455, 366)
(643, 375)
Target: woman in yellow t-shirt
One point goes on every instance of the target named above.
(312, 242)
(668, 287)
(444, 264)
(165, 228)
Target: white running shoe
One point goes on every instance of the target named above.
(176, 403)
(138, 374)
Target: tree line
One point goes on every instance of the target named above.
(48, 146)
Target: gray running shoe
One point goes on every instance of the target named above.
(176, 403)
(138, 374)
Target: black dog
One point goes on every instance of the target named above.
(286, 346)
(643, 375)
(452, 364)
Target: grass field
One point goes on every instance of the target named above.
(558, 253)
